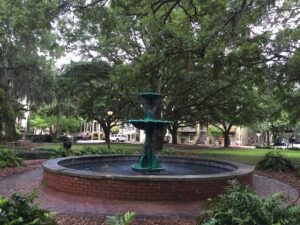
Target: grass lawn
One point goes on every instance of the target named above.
(249, 156)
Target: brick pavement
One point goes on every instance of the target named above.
(73, 204)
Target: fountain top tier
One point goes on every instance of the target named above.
(149, 121)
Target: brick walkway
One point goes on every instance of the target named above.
(71, 204)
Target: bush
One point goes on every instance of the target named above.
(8, 159)
(40, 138)
(19, 210)
(274, 161)
(87, 150)
(36, 154)
(242, 206)
(264, 147)
(169, 151)
(62, 152)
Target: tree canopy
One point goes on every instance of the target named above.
(213, 61)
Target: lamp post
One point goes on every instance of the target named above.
(258, 134)
(109, 115)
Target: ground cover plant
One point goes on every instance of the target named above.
(242, 206)
(8, 159)
(125, 219)
(20, 210)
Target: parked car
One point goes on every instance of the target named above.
(118, 138)
(281, 143)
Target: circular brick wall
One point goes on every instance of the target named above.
(141, 187)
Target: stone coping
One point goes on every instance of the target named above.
(56, 166)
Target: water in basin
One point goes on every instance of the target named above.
(171, 168)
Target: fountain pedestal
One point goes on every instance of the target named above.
(149, 161)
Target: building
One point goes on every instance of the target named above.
(92, 130)
(185, 135)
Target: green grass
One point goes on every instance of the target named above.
(249, 156)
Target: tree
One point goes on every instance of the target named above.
(26, 44)
(94, 89)
(193, 52)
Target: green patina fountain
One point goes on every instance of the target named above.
(149, 161)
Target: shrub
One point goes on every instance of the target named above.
(88, 150)
(264, 147)
(8, 159)
(36, 154)
(62, 152)
(40, 138)
(274, 161)
(19, 210)
(242, 206)
(126, 219)
(169, 151)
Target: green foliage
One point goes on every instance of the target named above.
(87, 150)
(20, 210)
(264, 147)
(125, 219)
(274, 161)
(8, 159)
(62, 123)
(35, 154)
(215, 132)
(169, 151)
(242, 206)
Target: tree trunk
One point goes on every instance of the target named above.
(10, 131)
(106, 130)
(268, 138)
(198, 132)
(226, 139)
(173, 130)
(1, 129)
(159, 139)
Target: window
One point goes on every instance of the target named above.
(191, 137)
(95, 126)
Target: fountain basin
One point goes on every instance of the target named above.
(60, 174)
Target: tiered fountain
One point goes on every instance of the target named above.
(149, 161)
(120, 177)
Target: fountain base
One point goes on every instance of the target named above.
(148, 164)
(182, 184)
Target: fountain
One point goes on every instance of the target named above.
(149, 161)
(166, 178)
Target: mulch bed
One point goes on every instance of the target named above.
(27, 166)
(100, 220)
(65, 219)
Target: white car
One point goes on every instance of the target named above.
(118, 138)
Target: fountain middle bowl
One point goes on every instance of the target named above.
(111, 177)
